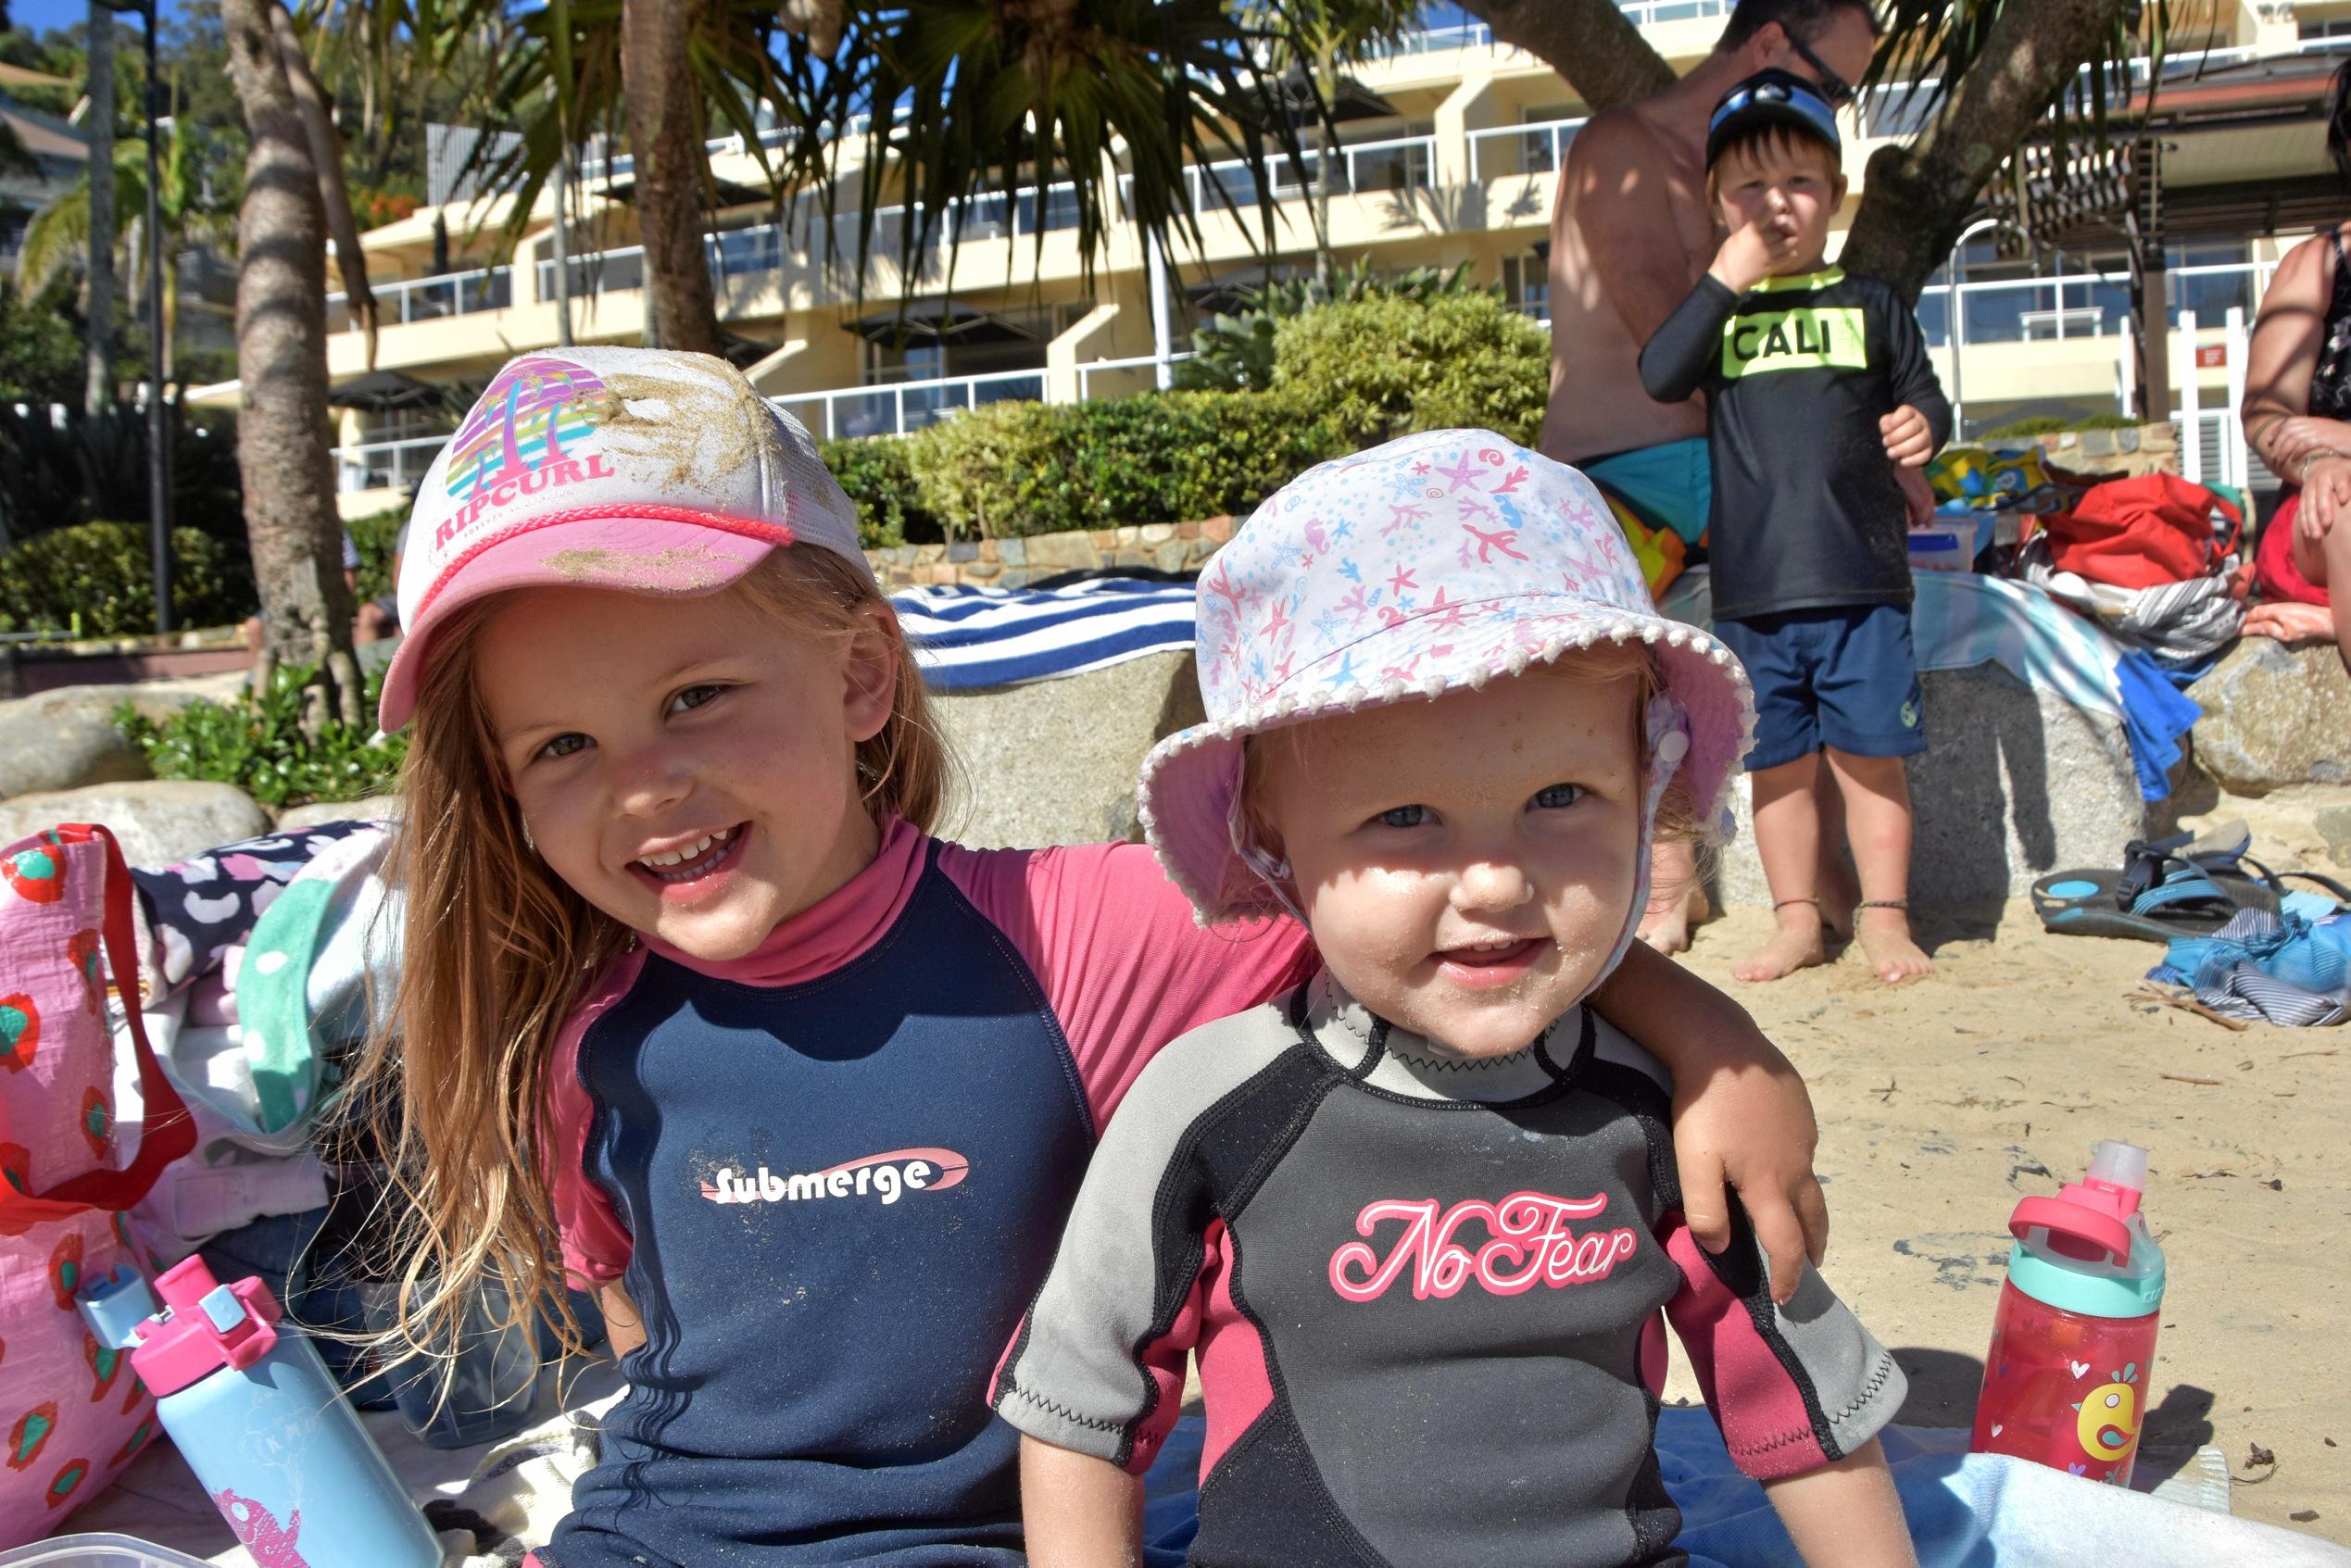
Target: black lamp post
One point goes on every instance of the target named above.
(158, 423)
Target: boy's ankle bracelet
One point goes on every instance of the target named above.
(1883, 903)
(1809, 898)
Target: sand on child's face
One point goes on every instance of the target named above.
(1468, 864)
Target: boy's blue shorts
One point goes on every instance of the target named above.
(1844, 677)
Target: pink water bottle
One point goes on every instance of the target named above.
(2064, 1381)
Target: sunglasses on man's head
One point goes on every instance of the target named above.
(1834, 88)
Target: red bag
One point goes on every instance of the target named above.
(2143, 533)
(2273, 565)
(72, 1410)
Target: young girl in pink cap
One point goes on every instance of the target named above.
(695, 1010)
(1420, 1215)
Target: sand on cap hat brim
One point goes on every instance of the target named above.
(1189, 781)
(682, 555)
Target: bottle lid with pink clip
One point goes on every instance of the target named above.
(2087, 1250)
(205, 1327)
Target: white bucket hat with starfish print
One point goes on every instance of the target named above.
(1434, 563)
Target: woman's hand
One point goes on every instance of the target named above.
(2295, 436)
(2326, 493)
(2290, 622)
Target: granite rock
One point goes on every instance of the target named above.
(158, 822)
(375, 808)
(2014, 783)
(66, 738)
(2275, 715)
(1054, 761)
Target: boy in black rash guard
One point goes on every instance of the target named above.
(1817, 383)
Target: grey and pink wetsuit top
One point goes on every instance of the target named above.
(1426, 1295)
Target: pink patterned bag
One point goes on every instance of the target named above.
(71, 1410)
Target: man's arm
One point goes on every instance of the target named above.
(1614, 195)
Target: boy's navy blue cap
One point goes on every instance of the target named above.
(1772, 97)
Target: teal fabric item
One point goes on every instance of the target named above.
(1670, 485)
(274, 1004)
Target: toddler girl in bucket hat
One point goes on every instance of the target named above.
(693, 1009)
(1418, 1217)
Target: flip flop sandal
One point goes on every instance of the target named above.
(2171, 888)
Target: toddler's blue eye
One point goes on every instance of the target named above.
(1553, 796)
(693, 696)
(564, 744)
(1405, 817)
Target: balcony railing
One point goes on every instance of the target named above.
(425, 299)
(386, 465)
(908, 406)
(1540, 148)
(2090, 305)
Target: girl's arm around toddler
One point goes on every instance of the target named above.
(1844, 1514)
(1079, 1512)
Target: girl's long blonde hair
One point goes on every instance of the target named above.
(452, 1083)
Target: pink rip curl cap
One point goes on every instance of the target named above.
(1433, 563)
(635, 469)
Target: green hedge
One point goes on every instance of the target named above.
(1385, 367)
(1013, 468)
(102, 572)
(880, 480)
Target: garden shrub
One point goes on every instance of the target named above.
(375, 534)
(102, 572)
(1384, 366)
(258, 744)
(1006, 470)
(879, 477)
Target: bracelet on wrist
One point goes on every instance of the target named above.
(2301, 474)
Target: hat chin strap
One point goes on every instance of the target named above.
(1667, 727)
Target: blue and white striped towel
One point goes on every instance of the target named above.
(971, 637)
(968, 637)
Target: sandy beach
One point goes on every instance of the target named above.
(1943, 1102)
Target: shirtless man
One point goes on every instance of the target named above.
(1631, 233)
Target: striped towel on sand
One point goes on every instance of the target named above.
(967, 638)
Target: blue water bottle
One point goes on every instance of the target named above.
(269, 1434)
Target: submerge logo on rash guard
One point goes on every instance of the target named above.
(886, 1176)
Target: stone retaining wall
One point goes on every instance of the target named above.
(1015, 563)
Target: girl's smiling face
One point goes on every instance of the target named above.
(1467, 864)
(686, 765)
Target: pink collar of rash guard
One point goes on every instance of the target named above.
(835, 929)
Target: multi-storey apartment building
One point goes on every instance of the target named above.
(1450, 155)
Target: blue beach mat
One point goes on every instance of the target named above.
(1965, 1511)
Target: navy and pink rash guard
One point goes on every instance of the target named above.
(832, 1174)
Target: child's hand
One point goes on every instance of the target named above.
(1910, 441)
(1754, 252)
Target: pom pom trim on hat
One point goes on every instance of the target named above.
(1208, 910)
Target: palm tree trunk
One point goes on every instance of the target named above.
(665, 135)
(282, 372)
(563, 246)
(1327, 71)
(97, 395)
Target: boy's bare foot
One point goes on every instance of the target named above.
(1884, 933)
(1796, 945)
